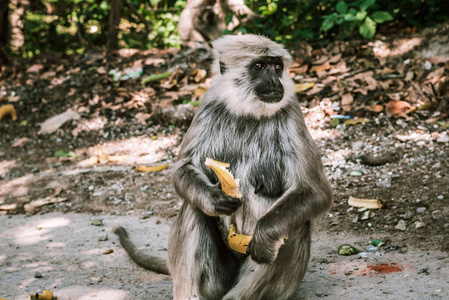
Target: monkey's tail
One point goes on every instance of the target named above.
(149, 262)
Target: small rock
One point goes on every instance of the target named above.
(384, 183)
(440, 197)
(357, 145)
(444, 138)
(103, 238)
(437, 165)
(96, 279)
(407, 216)
(419, 224)
(37, 275)
(420, 210)
(418, 200)
(401, 225)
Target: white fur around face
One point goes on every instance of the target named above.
(241, 100)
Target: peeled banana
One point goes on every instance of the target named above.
(238, 242)
(229, 185)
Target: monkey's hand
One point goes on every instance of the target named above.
(263, 248)
(220, 203)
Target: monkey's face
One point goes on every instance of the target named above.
(265, 74)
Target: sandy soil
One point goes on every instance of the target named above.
(70, 255)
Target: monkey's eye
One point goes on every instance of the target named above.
(278, 67)
(258, 66)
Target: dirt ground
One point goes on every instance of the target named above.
(60, 241)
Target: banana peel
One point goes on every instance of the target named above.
(238, 242)
(229, 185)
(152, 168)
(48, 295)
(8, 109)
(367, 203)
(104, 158)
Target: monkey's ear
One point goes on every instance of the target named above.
(222, 68)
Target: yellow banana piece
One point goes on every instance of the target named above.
(152, 168)
(8, 109)
(229, 185)
(48, 295)
(367, 203)
(238, 242)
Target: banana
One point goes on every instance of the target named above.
(152, 168)
(367, 203)
(229, 185)
(8, 109)
(238, 242)
(48, 295)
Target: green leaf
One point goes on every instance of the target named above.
(346, 249)
(381, 16)
(341, 7)
(63, 153)
(359, 16)
(368, 28)
(327, 24)
(366, 4)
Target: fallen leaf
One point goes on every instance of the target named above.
(54, 123)
(34, 205)
(375, 108)
(396, 107)
(199, 74)
(387, 71)
(438, 59)
(35, 68)
(299, 70)
(301, 87)
(320, 68)
(109, 251)
(346, 101)
(142, 117)
(356, 121)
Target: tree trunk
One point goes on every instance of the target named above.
(114, 21)
(4, 30)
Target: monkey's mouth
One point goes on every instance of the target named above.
(271, 96)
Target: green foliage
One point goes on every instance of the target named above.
(362, 14)
(71, 26)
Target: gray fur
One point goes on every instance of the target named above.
(281, 177)
(269, 148)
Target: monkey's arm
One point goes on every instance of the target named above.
(193, 186)
(295, 207)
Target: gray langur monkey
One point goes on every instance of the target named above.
(249, 118)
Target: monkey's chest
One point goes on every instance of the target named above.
(259, 166)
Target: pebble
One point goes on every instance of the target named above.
(407, 216)
(437, 165)
(37, 275)
(444, 138)
(440, 197)
(103, 238)
(401, 225)
(419, 224)
(384, 183)
(420, 210)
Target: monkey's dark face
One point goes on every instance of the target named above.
(265, 74)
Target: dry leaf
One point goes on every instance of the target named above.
(301, 87)
(323, 59)
(387, 71)
(299, 70)
(438, 59)
(109, 251)
(409, 76)
(346, 101)
(142, 117)
(35, 68)
(199, 74)
(357, 121)
(335, 59)
(21, 142)
(396, 107)
(375, 108)
(320, 68)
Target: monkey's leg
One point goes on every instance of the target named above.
(198, 260)
(280, 279)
